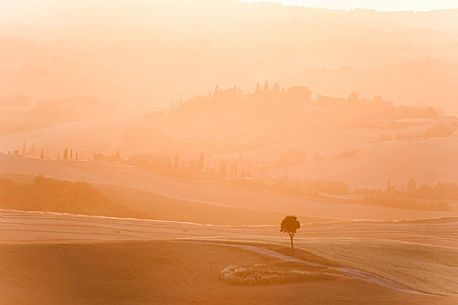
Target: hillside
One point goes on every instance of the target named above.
(45, 194)
(25, 193)
(208, 192)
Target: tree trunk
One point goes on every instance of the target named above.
(292, 244)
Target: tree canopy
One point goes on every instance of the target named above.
(290, 225)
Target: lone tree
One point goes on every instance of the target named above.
(290, 225)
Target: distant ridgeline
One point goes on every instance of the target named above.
(279, 109)
(77, 108)
(46, 194)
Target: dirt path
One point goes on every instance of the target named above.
(379, 280)
(348, 271)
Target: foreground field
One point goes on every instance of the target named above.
(160, 273)
(100, 260)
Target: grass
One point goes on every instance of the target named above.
(274, 273)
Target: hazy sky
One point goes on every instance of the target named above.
(385, 5)
(30, 10)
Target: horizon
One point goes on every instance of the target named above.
(380, 6)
